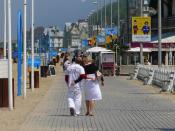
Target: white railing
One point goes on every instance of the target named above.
(163, 77)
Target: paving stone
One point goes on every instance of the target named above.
(125, 107)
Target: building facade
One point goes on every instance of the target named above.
(72, 36)
(55, 37)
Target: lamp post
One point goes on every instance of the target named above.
(96, 2)
(10, 96)
(118, 15)
(105, 12)
(93, 21)
(111, 12)
(25, 66)
(101, 17)
(159, 33)
(141, 44)
(5, 27)
(90, 24)
(145, 14)
(32, 46)
(118, 8)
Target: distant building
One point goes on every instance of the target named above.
(55, 37)
(72, 36)
(66, 40)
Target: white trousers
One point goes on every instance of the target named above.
(74, 99)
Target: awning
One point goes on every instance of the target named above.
(97, 49)
(137, 49)
(170, 39)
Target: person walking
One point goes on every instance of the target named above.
(75, 71)
(92, 88)
(65, 66)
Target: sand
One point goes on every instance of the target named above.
(11, 120)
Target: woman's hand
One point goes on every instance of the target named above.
(91, 78)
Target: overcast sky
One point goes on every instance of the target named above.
(49, 12)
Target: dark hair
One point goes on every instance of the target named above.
(146, 22)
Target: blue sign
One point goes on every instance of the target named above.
(53, 53)
(111, 31)
(84, 43)
(100, 39)
(37, 62)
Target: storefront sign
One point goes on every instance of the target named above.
(164, 45)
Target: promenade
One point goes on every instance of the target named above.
(127, 105)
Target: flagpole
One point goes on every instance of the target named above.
(5, 27)
(10, 95)
(24, 37)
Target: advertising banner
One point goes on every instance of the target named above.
(100, 39)
(111, 31)
(141, 29)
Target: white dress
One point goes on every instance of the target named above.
(92, 89)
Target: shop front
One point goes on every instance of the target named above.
(150, 53)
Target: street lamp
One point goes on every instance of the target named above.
(105, 12)
(159, 33)
(101, 17)
(96, 2)
(32, 46)
(93, 20)
(143, 12)
(118, 8)
(111, 12)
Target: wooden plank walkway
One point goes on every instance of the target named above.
(125, 107)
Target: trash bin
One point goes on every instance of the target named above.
(4, 100)
(44, 71)
(36, 79)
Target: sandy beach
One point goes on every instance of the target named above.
(11, 120)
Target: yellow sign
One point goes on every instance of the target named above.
(108, 39)
(141, 29)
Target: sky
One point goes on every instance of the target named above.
(48, 13)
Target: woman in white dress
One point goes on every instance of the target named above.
(92, 88)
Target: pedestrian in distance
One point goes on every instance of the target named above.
(67, 63)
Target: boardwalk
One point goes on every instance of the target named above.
(125, 107)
